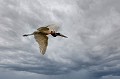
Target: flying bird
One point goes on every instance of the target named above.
(41, 36)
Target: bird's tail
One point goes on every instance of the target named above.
(27, 35)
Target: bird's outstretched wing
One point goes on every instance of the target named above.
(53, 27)
(42, 41)
(43, 29)
(49, 28)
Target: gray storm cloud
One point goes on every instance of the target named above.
(92, 27)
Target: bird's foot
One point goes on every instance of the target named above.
(25, 35)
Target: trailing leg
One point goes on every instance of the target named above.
(27, 35)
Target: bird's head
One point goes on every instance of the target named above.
(58, 34)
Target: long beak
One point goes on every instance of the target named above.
(63, 36)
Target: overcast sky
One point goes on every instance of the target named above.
(91, 51)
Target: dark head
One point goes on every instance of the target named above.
(58, 34)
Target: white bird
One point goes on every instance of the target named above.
(41, 36)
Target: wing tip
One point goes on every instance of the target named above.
(42, 52)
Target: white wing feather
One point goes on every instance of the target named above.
(53, 27)
(42, 41)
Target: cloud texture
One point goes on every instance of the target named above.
(92, 48)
